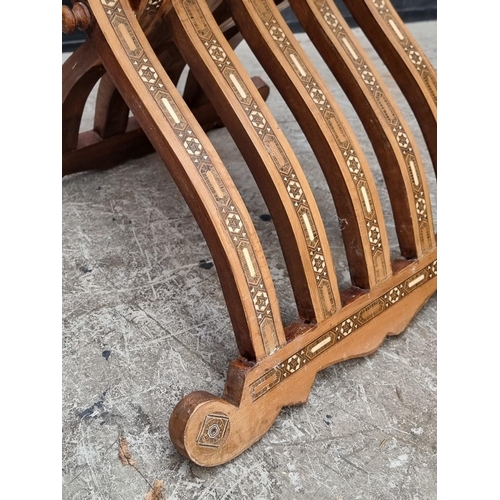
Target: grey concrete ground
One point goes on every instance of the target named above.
(145, 323)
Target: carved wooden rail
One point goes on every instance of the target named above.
(138, 51)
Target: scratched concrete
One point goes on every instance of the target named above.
(145, 323)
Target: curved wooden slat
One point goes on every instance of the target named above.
(405, 60)
(111, 112)
(390, 135)
(80, 72)
(330, 135)
(198, 172)
(268, 154)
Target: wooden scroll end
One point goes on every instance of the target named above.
(211, 431)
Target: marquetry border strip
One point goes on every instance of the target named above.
(294, 363)
(412, 163)
(417, 59)
(318, 93)
(227, 210)
(275, 149)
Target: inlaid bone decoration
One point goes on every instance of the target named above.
(137, 50)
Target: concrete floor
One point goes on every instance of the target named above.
(145, 323)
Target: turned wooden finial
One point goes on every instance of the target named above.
(77, 17)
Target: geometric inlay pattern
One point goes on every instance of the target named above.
(391, 116)
(226, 208)
(214, 430)
(269, 139)
(418, 60)
(318, 94)
(284, 370)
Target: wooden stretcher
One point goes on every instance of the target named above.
(138, 50)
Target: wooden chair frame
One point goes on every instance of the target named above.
(138, 49)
